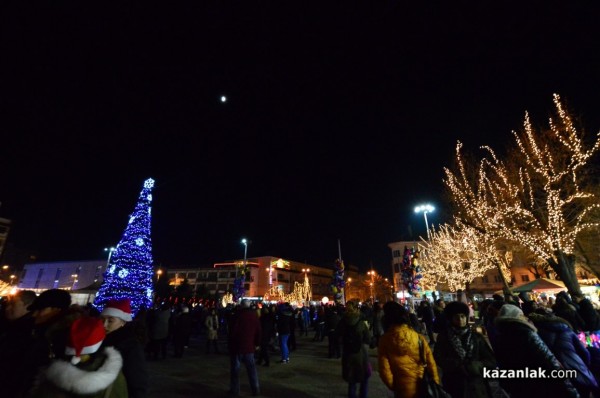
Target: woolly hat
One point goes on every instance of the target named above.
(85, 337)
(119, 309)
(53, 298)
(511, 311)
(456, 307)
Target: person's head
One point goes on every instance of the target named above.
(17, 304)
(394, 314)
(116, 314)
(351, 307)
(440, 303)
(85, 338)
(246, 303)
(457, 313)
(49, 304)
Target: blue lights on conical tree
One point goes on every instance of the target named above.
(129, 272)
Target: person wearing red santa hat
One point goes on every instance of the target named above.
(117, 319)
(91, 372)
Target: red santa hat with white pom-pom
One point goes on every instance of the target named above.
(119, 309)
(85, 337)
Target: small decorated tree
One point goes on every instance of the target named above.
(129, 272)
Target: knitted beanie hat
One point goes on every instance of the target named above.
(119, 309)
(85, 337)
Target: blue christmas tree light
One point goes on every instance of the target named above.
(129, 272)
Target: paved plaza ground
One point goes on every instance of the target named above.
(309, 374)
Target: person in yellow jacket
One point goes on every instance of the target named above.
(400, 365)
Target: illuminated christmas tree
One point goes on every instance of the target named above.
(129, 272)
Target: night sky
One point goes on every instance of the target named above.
(338, 119)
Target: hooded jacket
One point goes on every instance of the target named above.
(400, 366)
(565, 345)
(99, 377)
(518, 346)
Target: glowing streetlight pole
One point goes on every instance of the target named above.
(245, 243)
(426, 208)
(110, 251)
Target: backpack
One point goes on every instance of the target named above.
(352, 339)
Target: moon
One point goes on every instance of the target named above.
(223, 98)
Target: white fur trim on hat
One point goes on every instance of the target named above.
(84, 351)
(117, 313)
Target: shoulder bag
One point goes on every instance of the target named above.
(429, 388)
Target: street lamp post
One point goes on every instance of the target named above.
(245, 243)
(372, 274)
(110, 251)
(425, 208)
(12, 279)
(158, 273)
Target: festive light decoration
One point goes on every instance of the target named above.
(590, 339)
(338, 283)
(227, 299)
(238, 283)
(539, 198)
(410, 270)
(302, 293)
(130, 271)
(456, 255)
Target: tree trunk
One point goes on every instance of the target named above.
(564, 266)
(505, 287)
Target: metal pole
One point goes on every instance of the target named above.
(426, 224)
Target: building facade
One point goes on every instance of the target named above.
(74, 276)
(264, 273)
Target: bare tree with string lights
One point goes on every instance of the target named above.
(540, 197)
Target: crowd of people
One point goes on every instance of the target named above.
(49, 347)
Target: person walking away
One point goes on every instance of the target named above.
(355, 335)
(159, 331)
(377, 324)
(244, 338)
(284, 319)
(332, 320)
(15, 340)
(398, 354)
(90, 372)
(120, 334)
(518, 346)
(427, 318)
(182, 329)
(462, 354)
(292, 338)
(267, 326)
(212, 331)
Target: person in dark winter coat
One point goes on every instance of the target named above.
(332, 319)
(159, 331)
(588, 313)
(15, 376)
(565, 345)
(462, 354)
(267, 325)
(518, 346)
(182, 329)
(566, 309)
(91, 372)
(244, 338)
(212, 331)
(427, 317)
(355, 335)
(283, 321)
(120, 334)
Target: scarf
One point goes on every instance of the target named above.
(460, 340)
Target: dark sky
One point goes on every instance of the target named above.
(339, 119)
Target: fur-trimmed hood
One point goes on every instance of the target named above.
(74, 379)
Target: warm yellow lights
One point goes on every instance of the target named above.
(540, 198)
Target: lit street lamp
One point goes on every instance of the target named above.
(12, 279)
(426, 208)
(110, 251)
(372, 274)
(245, 243)
(158, 274)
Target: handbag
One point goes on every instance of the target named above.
(429, 388)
